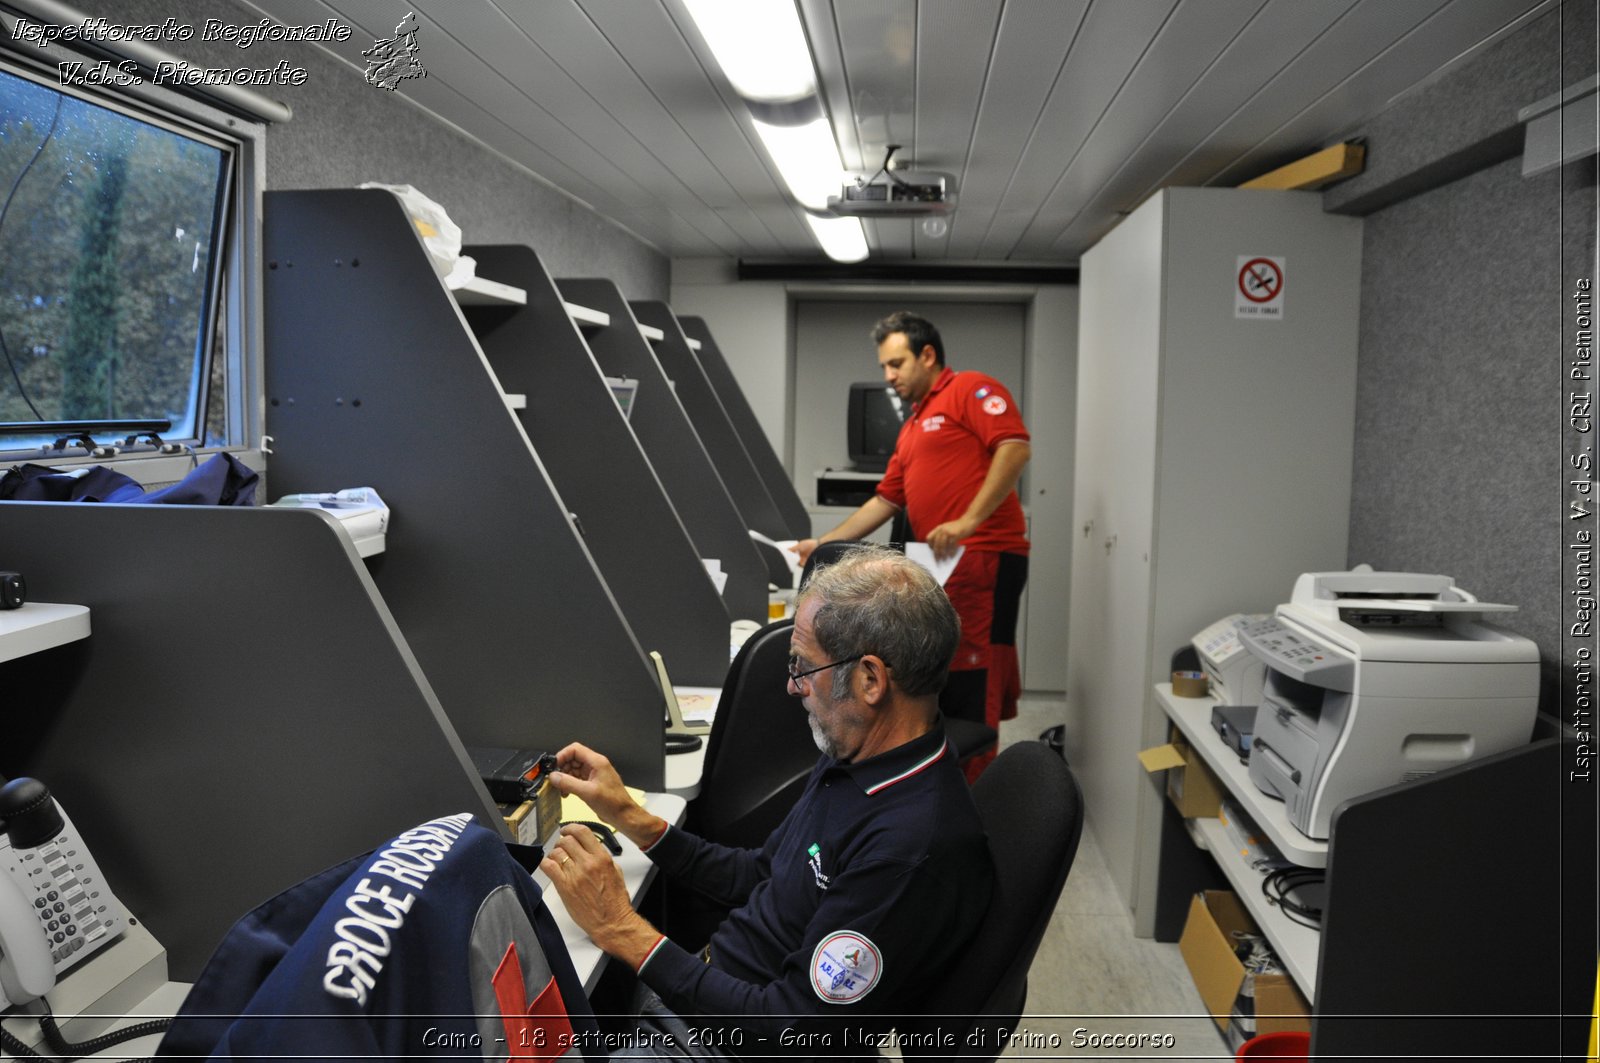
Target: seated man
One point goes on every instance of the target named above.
(864, 898)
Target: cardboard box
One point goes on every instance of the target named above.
(1207, 946)
(1191, 786)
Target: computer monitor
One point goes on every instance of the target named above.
(873, 424)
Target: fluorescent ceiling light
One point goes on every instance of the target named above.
(759, 44)
(808, 159)
(842, 239)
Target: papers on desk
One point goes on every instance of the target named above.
(575, 809)
(922, 554)
(697, 704)
(360, 512)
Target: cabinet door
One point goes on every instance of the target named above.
(1119, 355)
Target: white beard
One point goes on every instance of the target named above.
(820, 737)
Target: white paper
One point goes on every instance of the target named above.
(698, 705)
(922, 554)
(786, 548)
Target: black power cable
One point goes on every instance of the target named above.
(1279, 884)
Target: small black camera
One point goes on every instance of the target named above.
(13, 590)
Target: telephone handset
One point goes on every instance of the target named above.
(55, 907)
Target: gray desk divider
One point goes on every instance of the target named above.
(711, 420)
(642, 548)
(244, 713)
(676, 451)
(779, 485)
(374, 378)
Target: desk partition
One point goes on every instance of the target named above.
(579, 432)
(711, 421)
(779, 484)
(672, 442)
(244, 713)
(374, 378)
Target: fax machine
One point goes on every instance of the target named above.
(1380, 678)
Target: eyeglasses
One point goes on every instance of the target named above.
(794, 662)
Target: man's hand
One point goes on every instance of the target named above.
(582, 771)
(946, 537)
(803, 549)
(593, 892)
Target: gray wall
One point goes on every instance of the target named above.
(345, 132)
(1466, 272)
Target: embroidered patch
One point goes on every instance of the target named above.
(994, 405)
(815, 852)
(982, 392)
(932, 424)
(845, 967)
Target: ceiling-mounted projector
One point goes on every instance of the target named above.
(896, 192)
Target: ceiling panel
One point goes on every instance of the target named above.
(951, 72)
(1184, 49)
(1443, 36)
(1266, 46)
(1055, 116)
(1031, 45)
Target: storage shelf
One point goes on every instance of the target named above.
(651, 333)
(587, 318)
(1193, 717)
(482, 292)
(40, 626)
(1295, 945)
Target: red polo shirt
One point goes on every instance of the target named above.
(943, 455)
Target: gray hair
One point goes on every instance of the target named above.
(876, 601)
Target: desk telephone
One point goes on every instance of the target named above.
(55, 907)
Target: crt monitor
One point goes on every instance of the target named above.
(874, 418)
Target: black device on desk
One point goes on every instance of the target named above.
(518, 781)
(1235, 723)
(13, 590)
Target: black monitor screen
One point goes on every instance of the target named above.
(875, 416)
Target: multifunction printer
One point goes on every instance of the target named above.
(1380, 678)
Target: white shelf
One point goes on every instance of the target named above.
(1193, 717)
(651, 333)
(481, 292)
(1295, 945)
(694, 344)
(584, 317)
(516, 400)
(39, 626)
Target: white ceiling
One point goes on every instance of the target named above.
(1054, 115)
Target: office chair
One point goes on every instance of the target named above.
(968, 736)
(760, 748)
(1032, 809)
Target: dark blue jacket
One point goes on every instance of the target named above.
(436, 943)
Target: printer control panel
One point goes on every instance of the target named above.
(1298, 656)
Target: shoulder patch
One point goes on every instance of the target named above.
(994, 405)
(845, 967)
(982, 392)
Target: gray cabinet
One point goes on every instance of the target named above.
(1216, 391)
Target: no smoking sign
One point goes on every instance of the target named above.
(1258, 287)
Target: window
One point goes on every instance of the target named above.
(123, 281)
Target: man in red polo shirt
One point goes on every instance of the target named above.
(954, 474)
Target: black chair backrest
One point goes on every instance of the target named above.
(760, 749)
(1032, 809)
(827, 554)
